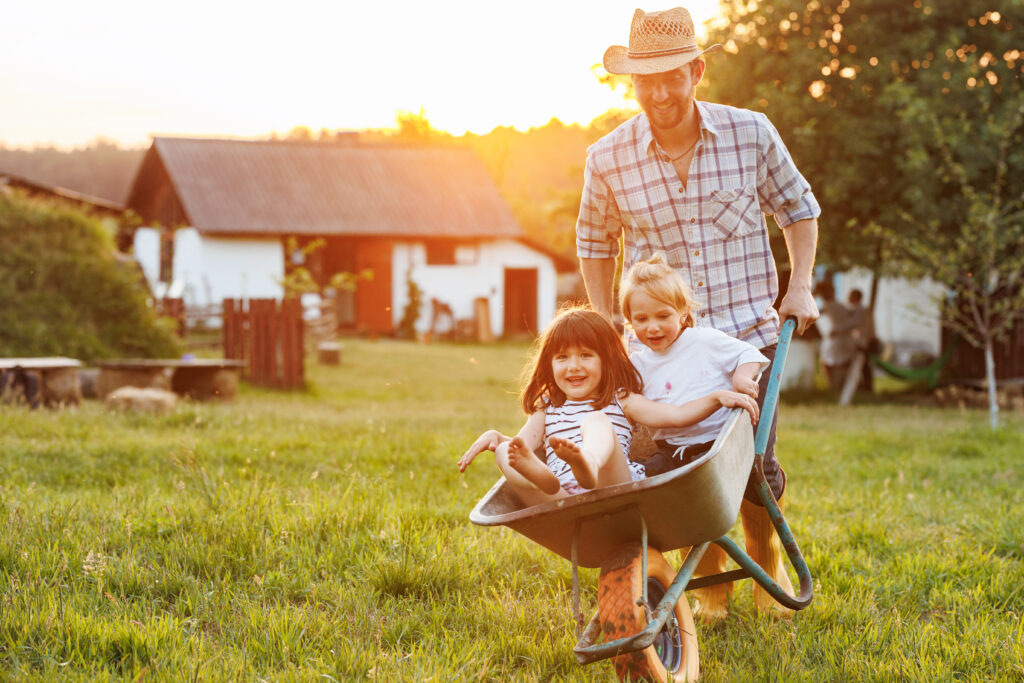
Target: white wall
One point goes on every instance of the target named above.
(146, 247)
(209, 269)
(187, 269)
(906, 313)
(242, 268)
(480, 273)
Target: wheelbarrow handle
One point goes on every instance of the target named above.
(764, 427)
(771, 395)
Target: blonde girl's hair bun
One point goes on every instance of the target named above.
(660, 281)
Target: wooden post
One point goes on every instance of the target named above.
(292, 350)
(256, 342)
(269, 337)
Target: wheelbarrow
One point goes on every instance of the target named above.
(645, 621)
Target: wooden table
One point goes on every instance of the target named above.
(201, 378)
(58, 377)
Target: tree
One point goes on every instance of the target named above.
(964, 223)
(819, 70)
(66, 292)
(416, 127)
(981, 262)
(905, 117)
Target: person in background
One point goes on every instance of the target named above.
(863, 336)
(837, 344)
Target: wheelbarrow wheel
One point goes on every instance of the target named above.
(673, 656)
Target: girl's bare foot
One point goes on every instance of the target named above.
(524, 461)
(582, 468)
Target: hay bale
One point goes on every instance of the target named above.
(111, 377)
(142, 400)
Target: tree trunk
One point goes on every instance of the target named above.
(990, 380)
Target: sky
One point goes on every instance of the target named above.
(74, 71)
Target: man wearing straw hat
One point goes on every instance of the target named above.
(694, 180)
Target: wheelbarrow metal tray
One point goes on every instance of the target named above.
(696, 503)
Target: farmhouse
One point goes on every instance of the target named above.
(247, 212)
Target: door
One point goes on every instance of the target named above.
(373, 298)
(520, 302)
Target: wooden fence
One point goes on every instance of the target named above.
(968, 362)
(268, 334)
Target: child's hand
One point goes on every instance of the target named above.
(744, 385)
(487, 441)
(734, 399)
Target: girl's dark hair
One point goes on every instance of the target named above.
(579, 326)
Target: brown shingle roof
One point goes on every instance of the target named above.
(88, 202)
(241, 186)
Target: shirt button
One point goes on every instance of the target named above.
(700, 284)
(703, 315)
(681, 190)
(693, 220)
(697, 253)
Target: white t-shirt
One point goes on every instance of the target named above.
(700, 361)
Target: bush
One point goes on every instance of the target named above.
(63, 290)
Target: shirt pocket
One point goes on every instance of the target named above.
(735, 212)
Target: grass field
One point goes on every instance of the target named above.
(325, 536)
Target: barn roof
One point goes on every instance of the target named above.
(277, 187)
(85, 201)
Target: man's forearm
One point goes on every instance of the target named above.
(599, 278)
(801, 242)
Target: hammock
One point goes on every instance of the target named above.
(929, 373)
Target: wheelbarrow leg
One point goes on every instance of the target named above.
(779, 593)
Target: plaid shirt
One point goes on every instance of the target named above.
(712, 230)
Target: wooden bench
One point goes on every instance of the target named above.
(58, 377)
(201, 378)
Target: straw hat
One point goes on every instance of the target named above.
(658, 41)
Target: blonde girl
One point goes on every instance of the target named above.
(581, 395)
(677, 361)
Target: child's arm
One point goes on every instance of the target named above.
(639, 408)
(532, 433)
(744, 380)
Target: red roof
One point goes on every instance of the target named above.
(320, 188)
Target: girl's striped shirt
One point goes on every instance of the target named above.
(564, 422)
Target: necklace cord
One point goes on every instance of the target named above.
(685, 151)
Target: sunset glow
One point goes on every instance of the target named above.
(123, 70)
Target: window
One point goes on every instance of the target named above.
(440, 253)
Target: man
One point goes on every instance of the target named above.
(864, 335)
(838, 347)
(693, 180)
